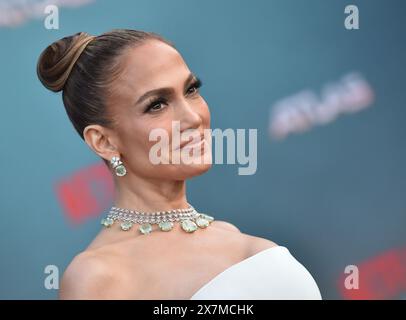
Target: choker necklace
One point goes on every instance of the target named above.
(189, 219)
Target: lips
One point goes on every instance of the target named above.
(188, 143)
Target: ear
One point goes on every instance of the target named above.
(99, 139)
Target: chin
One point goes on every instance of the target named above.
(191, 170)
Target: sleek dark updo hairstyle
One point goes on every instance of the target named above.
(83, 66)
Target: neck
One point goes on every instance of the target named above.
(149, 195)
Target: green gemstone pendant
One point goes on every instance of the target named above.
(145, 228)
(120, 170)
(202, 223)
(126, 225)
(188, 225)
(166, 225)
(207, 217)
(107, 222)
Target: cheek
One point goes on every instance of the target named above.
(135, 139)
(164, 124)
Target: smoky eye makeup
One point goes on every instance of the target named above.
(153, 103)
(161, 100)
(196, 83)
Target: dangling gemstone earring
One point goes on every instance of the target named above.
(118, 166)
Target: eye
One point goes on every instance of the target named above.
(194, 88)
(155, 105)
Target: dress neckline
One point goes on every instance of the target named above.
(248, 259)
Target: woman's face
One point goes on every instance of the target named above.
(156, 65)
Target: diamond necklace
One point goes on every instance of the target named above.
(189, 219)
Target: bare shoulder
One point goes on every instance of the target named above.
(256, 243)
(225, 225)
(259, 244)
(88, 276)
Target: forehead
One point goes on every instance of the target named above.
(152, 65)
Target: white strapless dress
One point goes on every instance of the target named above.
(272, 273)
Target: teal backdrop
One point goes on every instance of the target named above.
(334, 194)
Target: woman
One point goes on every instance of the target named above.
(118, 88)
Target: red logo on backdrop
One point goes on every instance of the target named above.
(86, 193)
(382, 277)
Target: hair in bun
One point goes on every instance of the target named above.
(83, 67)
(57, 60)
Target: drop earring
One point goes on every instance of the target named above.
(118, 166)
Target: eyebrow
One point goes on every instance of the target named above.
(167, 91)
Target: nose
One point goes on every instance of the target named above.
(188, 116)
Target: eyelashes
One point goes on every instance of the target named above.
(155, 102)
(197, 83)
